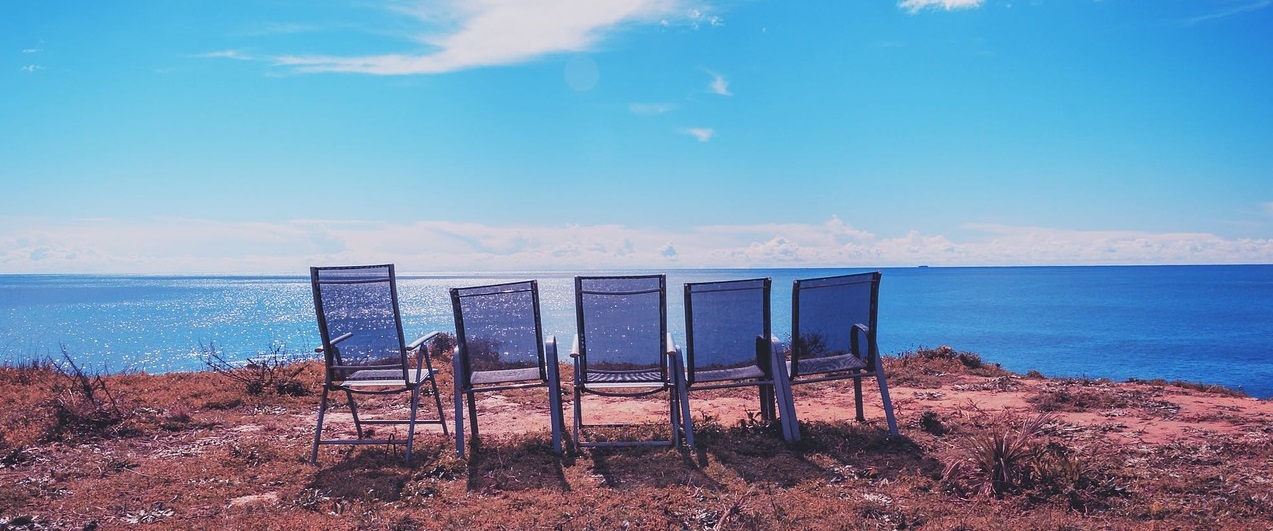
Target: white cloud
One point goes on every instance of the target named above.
(1236, 10)
(494, 32)
(195, 246)
(32, 68)
(650, 108)
(703, 134)
(719, 84)
(226, 54)
(915, 6)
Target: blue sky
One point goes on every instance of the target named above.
(267, 136)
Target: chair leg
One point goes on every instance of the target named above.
(437, 403)
(554, 406)
(681, 401)
(473, 415)
(785, 400)
(415, 406)
(888, 403)
(458, 386)
(318, 431)
(674, 417)
(353, 411)
(578, 405)
(767, 403)
(857, 397)
(687, 423)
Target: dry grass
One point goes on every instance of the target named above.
(198, 450)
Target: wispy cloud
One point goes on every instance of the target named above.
(31, 50)
(700, 16)
(1268, 208)
(703, 134)
(719, 84)
(494, 32)
(278, 29)
(650, 108)
(237, 55)
(193, 246)
(915, 6)
(1235, 10)
(30, 69)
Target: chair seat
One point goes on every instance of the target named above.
(651, 376)
(381, 378)
(843, 362)
(504, 376)
(735, 373)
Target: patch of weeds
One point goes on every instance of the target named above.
(1062, 472)
(1002, 460)
(275, 370)
(83, 404)
(442, 348)
(1195, 386)
(931, 423)
(927, 368)
(1019, 461)
(176, 418)
(312, 499)
(28, 371)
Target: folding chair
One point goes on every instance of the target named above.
(728, 344)
(500, 346)
(364, 353)
(623, 349)
(833, 330)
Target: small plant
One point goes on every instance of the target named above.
(82, 402)
(1004, 460)
(275, 370)
(442, 347)
(931, 423)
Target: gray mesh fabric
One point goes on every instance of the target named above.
(823, 315)
(499, 332)
(361, 302)
(622, 323)
(723, 320)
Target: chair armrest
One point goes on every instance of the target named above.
(871, 352)
(420, 340)
(423, 357)
(338, 339)
(550, 358)
(674, 351)
(574, 347)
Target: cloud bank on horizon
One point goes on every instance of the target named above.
(195, 246)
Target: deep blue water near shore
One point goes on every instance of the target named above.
(1210, 324)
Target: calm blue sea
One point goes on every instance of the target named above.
(1209, 324)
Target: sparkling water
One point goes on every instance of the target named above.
(1211, 324)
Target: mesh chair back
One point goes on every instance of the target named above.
(622, 323)
(498, 327)
(823, 313)
(361, 301)
(722, 322)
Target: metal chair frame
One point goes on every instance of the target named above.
(382, 380)
(634, 383)
(773, 384)
(548, 371)
(867, 363)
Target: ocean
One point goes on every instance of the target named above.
(1210, 324)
